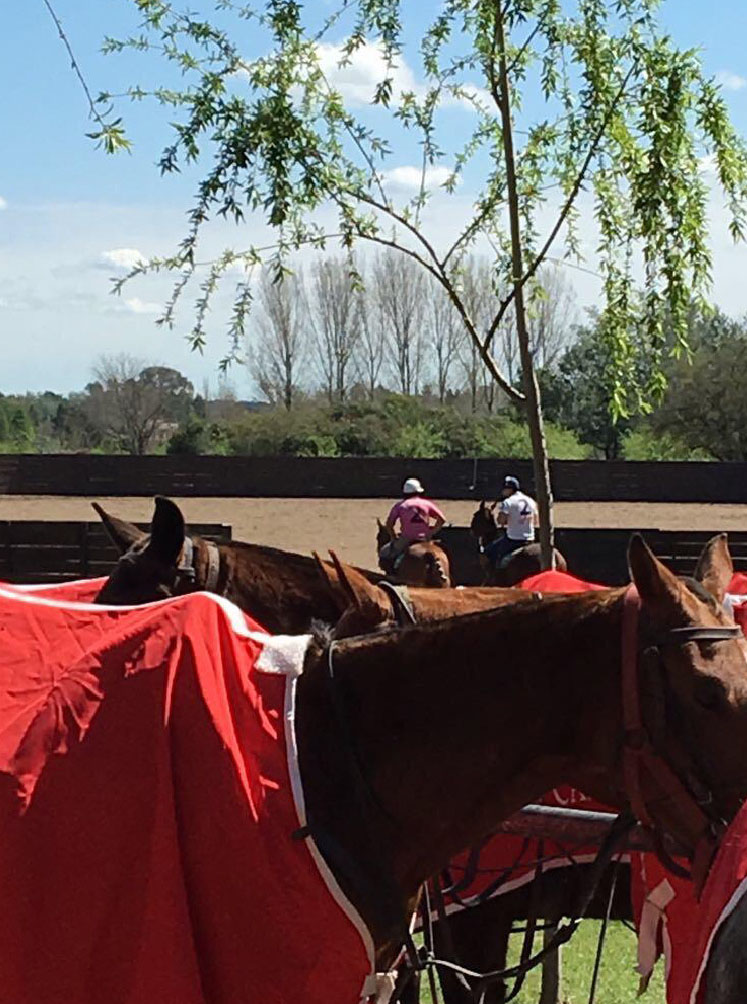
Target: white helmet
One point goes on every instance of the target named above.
(412, 487)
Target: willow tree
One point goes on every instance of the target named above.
(551, 112)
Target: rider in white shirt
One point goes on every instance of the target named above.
(518, 515)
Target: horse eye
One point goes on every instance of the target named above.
(710, 694)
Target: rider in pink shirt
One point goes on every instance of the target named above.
(419, 518)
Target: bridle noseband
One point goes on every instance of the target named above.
(694, 800)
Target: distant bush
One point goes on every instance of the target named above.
(396, 426)
(645, 444)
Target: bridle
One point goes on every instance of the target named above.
(693, 799)
(185, 580)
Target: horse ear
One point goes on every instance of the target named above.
(658, 588)
(123, 534)
(364, 595)
(167, 531)
(332, 581)
(715, 568)
(379, 523)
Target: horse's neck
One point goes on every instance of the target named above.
(461, 724)
(281, 590)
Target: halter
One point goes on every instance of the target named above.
(640, 754)
(186, 574)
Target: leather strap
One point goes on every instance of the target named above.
(638, 751)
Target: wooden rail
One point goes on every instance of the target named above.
(42, 551)
(95, 476)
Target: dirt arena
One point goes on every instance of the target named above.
(349, 524)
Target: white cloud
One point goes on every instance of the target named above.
(357, 79)
(730, 81)
(122, 258)
(3, 203)
(409, 176)
(137, 306)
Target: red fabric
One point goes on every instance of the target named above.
(146, 812)
(738, 584)
(557, 582)
(688, 926)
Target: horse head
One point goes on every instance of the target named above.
(383, 534)
(482, 525)
(149, 565)
(362, 605)
(693, 685)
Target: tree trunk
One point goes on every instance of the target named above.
(533, 406)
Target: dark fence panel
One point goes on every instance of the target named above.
(35, 551)
(363, 477)
(599, 555)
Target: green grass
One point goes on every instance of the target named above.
(617, 983)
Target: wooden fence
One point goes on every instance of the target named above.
(600, 555)
(35, 551)
(95, 476)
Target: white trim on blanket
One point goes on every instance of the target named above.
(329, 879)
(727, 911)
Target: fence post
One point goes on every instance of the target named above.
(552, 970)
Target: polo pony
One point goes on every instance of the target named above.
(424, 563)
(519, 564)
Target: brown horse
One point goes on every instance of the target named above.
(364, 606)
(280, 589)
(424, 563)
(548, 712)
(518, 565)
(479, 935)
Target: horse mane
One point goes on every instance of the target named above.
(266, 554)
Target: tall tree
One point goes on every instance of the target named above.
(336, 318)
(131, 403)
(399, 289)
(620, 113)
(371, 345)
(443, 337)
(280, 347)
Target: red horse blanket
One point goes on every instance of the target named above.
(149, 789)
(671, 921)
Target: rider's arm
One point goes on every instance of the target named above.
(502, 515)
(391, 520)
(535, 517)
(436, 525)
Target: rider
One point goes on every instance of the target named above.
(414, 513)
(519, 516)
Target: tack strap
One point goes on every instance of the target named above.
(186, 574)
(638, 751)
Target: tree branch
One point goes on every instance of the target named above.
(567, 206)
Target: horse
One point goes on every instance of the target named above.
(606, 691)
(424, 563)
(364, 606)
(518, 565)
(725, 980)
(417, 761)
(282, 590)
(478, 935)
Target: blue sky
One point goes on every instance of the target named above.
(71, 216)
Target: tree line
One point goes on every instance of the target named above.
(345, 368)
(343, 323)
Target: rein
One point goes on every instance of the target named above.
(640, 755)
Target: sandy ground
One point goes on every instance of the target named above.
(349, 524)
